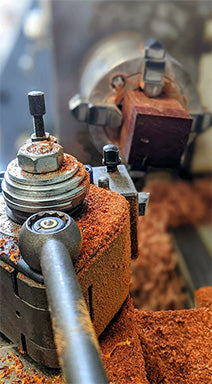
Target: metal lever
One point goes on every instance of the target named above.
(50, 237)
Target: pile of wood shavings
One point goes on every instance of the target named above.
(13, 367)
(155, 283)
(8, 246)
(104, 218)
(121, 349)
(180, 343)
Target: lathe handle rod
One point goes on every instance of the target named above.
(74, 335)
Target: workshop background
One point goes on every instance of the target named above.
(44, 43)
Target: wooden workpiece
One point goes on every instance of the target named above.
(155, 131)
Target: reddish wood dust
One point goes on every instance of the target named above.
(9, 247)
(43, 147)
(68, 163)
(180, 342)
(103, 219)
(155, 284)
(167, 347)
(121, 350)
(99, 225)
(203, 298)
(13, 366)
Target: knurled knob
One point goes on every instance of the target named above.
(111, 157)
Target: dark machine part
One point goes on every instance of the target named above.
(127, 67)
(111, 157)
(37, 110)
(115, 176)
(74, 335)
(36, 180)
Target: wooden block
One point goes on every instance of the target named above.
(155, 131)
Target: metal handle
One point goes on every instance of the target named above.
(75, 338)
(37, 110)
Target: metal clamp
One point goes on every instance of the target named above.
(143, 201)
(95, 114)
(154, 68)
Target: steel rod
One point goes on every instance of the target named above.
(75, 338)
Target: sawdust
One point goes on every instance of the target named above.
(14, 367)
(155, 283)
(86, 324)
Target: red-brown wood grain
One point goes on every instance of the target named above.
(155, 131)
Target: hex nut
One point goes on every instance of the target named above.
(40, 157)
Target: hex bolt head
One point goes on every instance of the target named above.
(111, 157)
(39, 157)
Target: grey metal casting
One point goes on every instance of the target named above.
(35, 181)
